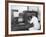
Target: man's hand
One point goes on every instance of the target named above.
(28, 21)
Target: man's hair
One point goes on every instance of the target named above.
(33, 14)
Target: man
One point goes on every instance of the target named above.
(34, 20)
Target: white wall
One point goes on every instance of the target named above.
(35, 8)
(19, 8)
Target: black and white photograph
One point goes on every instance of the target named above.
(25, 18)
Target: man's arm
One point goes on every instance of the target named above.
(31, 21)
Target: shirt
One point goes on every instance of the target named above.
(35, 22)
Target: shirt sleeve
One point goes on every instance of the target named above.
(31, 21)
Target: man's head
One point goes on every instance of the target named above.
(33, 14)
